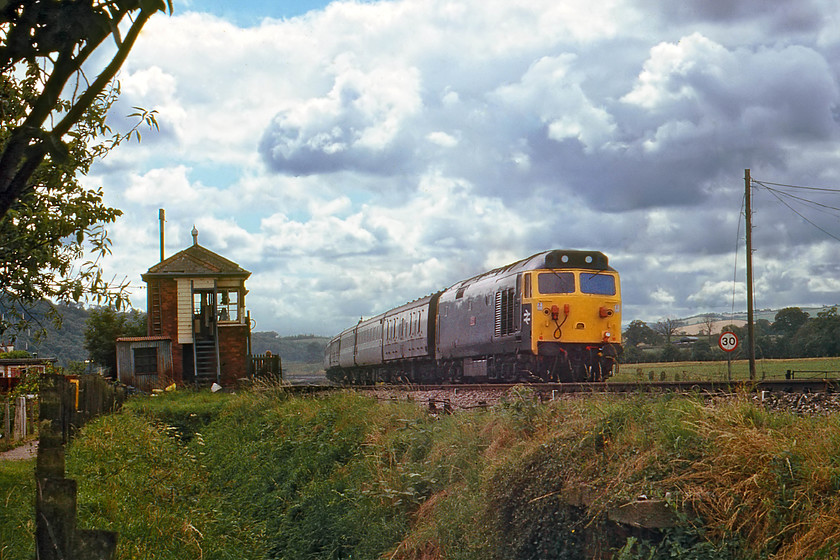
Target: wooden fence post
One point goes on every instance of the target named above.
(56, 535)
(20, 418)
(7, 421)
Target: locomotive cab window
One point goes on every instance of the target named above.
(598, 284)
(556, 283)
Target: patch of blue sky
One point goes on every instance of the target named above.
(249, 221)
(250, 12)
(219, 176)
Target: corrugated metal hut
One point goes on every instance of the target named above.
(145, 362)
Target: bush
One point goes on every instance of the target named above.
(670, 353)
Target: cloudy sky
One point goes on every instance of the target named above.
(358, 155)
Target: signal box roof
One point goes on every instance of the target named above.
(196, 261)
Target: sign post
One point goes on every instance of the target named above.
(728, 342)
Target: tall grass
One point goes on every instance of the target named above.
(17, 522)
(266, 475)
(313, 471)
(136, 478)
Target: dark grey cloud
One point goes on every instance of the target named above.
(693, 112)
(778, 15)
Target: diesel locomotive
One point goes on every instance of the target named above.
(554, 316)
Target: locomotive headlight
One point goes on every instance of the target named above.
(607, 334)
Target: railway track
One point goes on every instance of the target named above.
(805, 396)
(552, 389)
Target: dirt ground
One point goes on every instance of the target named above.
(26, 451)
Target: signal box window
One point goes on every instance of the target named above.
(145, 360)
(599, 284)
(556, 283)
(228, 306)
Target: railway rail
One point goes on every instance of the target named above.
(826, 385)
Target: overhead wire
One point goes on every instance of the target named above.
(786, 199)
(806, 201)
(781, 196)
(821, 189)
(813, 203)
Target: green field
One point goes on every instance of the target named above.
(803, 368)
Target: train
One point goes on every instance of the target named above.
(552, 317)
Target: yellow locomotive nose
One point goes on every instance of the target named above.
(578, 306)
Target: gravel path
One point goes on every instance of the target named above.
(26, 451)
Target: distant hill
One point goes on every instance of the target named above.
(67, 343)
(693, 325)
(305, 348)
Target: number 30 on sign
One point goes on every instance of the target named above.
(728, 341)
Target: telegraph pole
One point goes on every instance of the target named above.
(162, 218)
(750, 324)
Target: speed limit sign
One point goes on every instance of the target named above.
(728, 341)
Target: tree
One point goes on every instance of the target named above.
(62, 35)
(632, 355)
(667, 328)
(638, 332)
(788, 320)
(52, 128)
(701, 351)
(104, 326)
(708, 326)
(670, 353)
(820, 336)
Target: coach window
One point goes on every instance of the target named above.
(556, 283)
(596, 283)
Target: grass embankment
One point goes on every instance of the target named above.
(267, 476)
